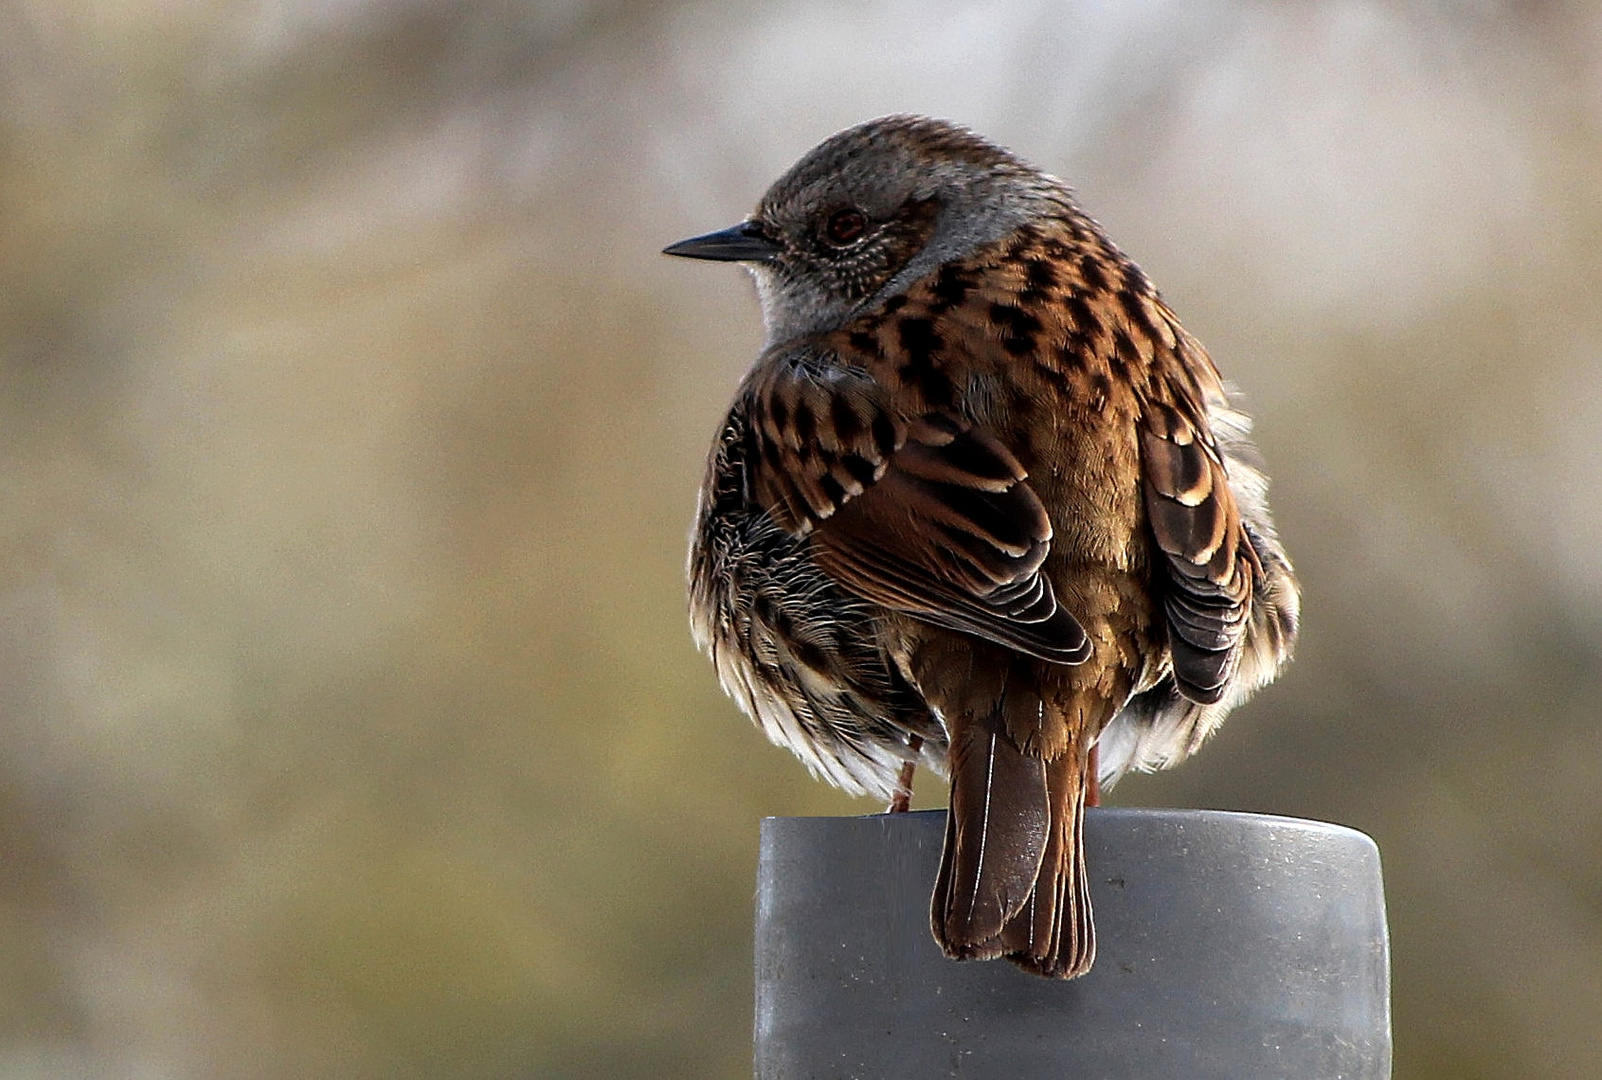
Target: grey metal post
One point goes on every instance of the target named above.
(1230, 947)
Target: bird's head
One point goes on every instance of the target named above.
(869, 211)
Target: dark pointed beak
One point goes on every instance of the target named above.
(745, 242)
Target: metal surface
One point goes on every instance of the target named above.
(1230, 946)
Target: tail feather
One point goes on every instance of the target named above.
(996, 835)
(1055, 934)
(1012, 877)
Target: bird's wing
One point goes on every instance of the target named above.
(1210, 565)
(926, 515)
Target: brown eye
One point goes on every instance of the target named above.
(844, 226)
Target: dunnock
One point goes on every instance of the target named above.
(981, 503)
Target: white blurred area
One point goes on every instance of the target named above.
(350, 425)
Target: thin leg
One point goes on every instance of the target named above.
(903, 796)
(1093, 779)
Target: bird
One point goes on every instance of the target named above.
(982, 505)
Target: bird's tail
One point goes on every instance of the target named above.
(1012, 877)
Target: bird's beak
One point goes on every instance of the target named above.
(744, 242)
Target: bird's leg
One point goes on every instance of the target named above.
(903, 796)
(1093, 778)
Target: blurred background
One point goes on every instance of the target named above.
(350, 425)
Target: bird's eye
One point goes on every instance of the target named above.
(845, 226)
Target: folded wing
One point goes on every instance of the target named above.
(1209, 565)
(926, 515)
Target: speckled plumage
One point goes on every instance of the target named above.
(983, 503)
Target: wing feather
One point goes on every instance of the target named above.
(1209, 564)
(924, 514)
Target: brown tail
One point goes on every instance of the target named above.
(1012, 877)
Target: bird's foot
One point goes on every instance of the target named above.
(903, 794)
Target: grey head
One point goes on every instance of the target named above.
(871, 210)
